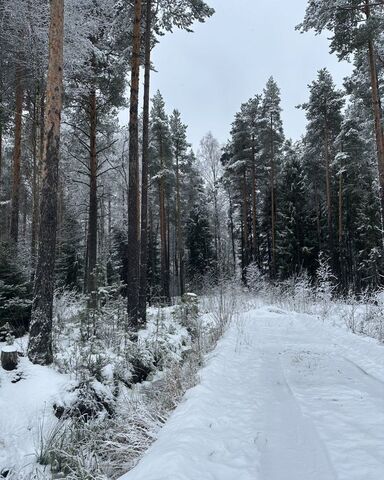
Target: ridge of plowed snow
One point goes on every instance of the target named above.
(283, 397)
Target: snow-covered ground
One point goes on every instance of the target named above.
(284, 396)
(26, 413)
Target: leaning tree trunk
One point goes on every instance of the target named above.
(16, 160)
(133, 253)
(145, 169)
(92, 210)
(40, 340)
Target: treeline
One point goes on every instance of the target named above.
(295, 201)
(322, 195)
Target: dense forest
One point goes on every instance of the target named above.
(132, 216)
(135, 208)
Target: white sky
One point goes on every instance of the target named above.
(209, 73)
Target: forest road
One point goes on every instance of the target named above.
(283, 397)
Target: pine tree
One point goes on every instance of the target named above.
(272, 138)
(161, 154)
(179, 149)
(133, 257)
(356, 27)
(40, 339)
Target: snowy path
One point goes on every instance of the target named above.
(283, 397)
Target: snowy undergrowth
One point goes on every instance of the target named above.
(112, 395)
(361, 314)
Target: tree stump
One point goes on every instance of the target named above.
(9, 357)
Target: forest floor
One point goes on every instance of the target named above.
(284, 396)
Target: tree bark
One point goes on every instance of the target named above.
(273, 206)
(92, 209)
(3, 221)
(40, 340)
(378, 114)
(145, 169)
(255, 243)
(232, 228)
(1, 147)
(16, 168)
(328, 188)
(179, 237)
(340, 210)
(133, 253)
(245, 255)
(37, 142)
(165, 296)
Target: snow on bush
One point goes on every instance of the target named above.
(121, 391)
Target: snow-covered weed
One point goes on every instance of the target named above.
(325, 286)
(223, 307)
(96, 350)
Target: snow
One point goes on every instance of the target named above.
(284, 396)
(9, 349)
(26, 411)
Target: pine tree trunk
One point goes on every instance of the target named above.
(318, 211)
(328, 188)
(133, 253)
(37, 129)
(340, 210)
(85, 277)
(16, 168)
(24, 212)
(217, 230)
(179, 238)
(92, 210)
(255, 246)
(163, 234)
(245, 255)
(273, 207)
(40, 340)
(3, 221)
(1, 148)
(145, 169)
(378, 116)
(168, 249)
(232, 228)
(378, 127)
(343, 266)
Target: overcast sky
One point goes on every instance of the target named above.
(209, 73)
